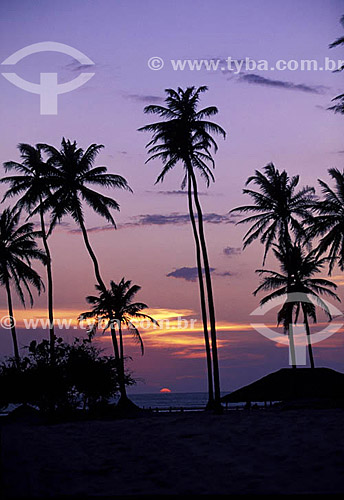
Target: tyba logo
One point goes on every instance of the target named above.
(48, 88)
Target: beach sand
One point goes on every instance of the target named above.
(259, 452)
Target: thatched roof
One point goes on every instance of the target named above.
(289, 384)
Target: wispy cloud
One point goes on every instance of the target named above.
(230, 251)
(255, 79)
(178, 218)
(76, 67)
(178, 192)
(191, 273)
(185, 273)
(174, 218)
(147, 99)
(223, 274)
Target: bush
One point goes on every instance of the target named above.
(79, 378)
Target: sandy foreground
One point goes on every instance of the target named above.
(259, 452)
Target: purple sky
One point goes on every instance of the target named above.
(277, 116)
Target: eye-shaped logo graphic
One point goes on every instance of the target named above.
(48, 88)
(297, 335)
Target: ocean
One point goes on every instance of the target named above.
(165, 401)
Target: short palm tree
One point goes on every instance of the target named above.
(18, 248)
(115, 307)
(75, 173)
(328, 223)
(339, 100)
(185, 135)
(297, 276)
(32, 183)
(278, 209)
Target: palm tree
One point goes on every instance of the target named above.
(75, 171)
(17, 249)
(297, 276)
(184, 135)
(278, 210)
(339, 100)
(328, 224)
(115, 307)
(32, 182)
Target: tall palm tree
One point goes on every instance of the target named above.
(278, 209)
(339, 100)
(328, 223)
(297, 276)
(18, 248)
(115, 307)
(184, 135)
(75, 172)
(32, 182)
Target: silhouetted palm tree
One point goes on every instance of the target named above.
(339, 106)
(297, 277)
(329, 221)
(32, 182)
(75, 171)
(17, 249)
(115, 307)
(278, 209)
(184, 135)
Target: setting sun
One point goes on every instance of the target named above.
(165, 390)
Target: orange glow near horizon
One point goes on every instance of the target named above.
(165, 390)
(179, 329)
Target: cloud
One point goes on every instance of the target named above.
(186, 273)
(269, 82)
(177, 218)
(178, 192)
(230, 251)
(224, 274)
(173, 218)
(76, 67)
(148, 99)
(191, 273)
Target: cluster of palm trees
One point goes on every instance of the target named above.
(59, 182)
(305, 234)
(284, 218)
(184, 136)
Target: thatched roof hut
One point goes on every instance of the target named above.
(290, 384)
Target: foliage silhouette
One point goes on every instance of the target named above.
(297, 276)
(31, 182)
(75, 171)
(80, 378)
(18, 248)
(185, 135)
(115, 308)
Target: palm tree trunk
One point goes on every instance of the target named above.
(118, 358)
(309, 343)
(50, 288)
(202, 298)
(92, 254)
(287, 244)
(209, 292)
(292, 344)
(13, 328)
(121, 355)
